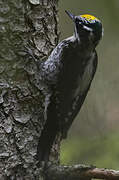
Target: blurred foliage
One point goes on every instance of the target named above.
(101, 151)
(93, 138)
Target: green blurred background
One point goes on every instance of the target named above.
(94, 136)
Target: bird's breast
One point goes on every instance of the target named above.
(83, 80)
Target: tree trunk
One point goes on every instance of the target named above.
(24, 26)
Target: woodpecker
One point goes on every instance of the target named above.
(68, 73)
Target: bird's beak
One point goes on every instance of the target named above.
(74, 20)
(70, 15)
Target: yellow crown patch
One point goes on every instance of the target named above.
(89, 17)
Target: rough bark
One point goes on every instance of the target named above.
(23, 25)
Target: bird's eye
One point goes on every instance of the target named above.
(80, 21)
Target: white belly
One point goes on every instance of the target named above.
(84, 81)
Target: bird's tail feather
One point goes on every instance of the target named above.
(46, 140)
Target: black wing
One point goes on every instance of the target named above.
(78, 101)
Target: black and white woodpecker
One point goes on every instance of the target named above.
(68, 73)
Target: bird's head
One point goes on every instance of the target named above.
(87, 28)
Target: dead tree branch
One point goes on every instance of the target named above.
(81, 172)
